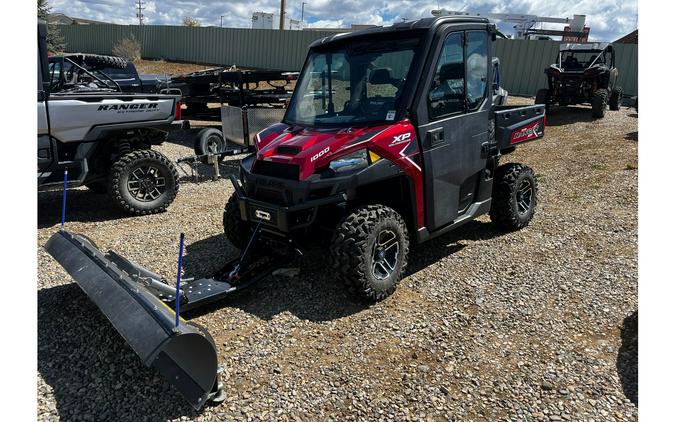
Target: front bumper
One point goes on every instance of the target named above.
(281, 218)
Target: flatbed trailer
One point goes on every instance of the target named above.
(238, 88)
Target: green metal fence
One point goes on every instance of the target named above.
(523, 61)
(251, 48)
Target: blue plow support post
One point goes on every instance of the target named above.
(180, 268)
(63, 204)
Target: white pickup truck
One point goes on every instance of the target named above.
(104, 138)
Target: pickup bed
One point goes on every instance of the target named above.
(115, 71)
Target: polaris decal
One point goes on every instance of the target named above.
(129, 108)
(527, 133)
(319, 154)
(399, 139)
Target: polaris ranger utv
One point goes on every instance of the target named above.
(583, 74)
(390, 138)
(102, 136)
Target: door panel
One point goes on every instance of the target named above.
(458, 109)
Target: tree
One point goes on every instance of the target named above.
(191, 22)
(128, 48)
(55, 41)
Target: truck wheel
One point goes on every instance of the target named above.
(236, 230)
(209, 141)
(616, 99)
(369, 251)
(143, 182)
(97, 187)
(599, 103)
(514, 196)
(542, 97)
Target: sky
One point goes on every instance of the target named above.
(608, 19)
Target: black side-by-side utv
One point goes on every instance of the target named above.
(583, 74)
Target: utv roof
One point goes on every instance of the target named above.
(419, 24)
(596, 46)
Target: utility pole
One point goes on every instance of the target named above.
(221, 20)
(302, 14)
(282, 15)
(140, 7)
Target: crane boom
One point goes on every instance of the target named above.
(524, 23)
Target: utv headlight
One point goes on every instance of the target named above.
(354, 161)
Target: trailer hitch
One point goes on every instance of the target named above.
(210, 159)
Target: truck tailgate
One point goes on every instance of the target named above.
(519, 124)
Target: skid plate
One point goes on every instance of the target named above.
(184, 355)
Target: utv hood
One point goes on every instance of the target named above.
(311, 149)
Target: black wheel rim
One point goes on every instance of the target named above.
(524, 197)
(385, 254)
(146, 183)
(213, 145)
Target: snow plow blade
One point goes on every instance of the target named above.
(185, 355)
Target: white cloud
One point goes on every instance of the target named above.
(608, 19)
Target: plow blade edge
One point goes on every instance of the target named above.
(184, 355)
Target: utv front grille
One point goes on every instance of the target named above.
(270, 196)
(280, 170)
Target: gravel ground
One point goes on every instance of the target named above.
(536, 325)
(168, 68)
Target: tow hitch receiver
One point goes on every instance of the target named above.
(138, 303)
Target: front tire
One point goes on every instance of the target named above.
(369, 251)
(236, 230)
(616, 99)
(599, 103)
(514, 196)
(143, 182)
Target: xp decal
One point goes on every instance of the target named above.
(399, 139)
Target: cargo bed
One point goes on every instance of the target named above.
(519, 124)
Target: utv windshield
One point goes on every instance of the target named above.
(573, 60)
(357, 84)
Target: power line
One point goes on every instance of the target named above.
(140, 7)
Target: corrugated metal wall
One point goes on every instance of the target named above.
(523, 61)
(253, 48)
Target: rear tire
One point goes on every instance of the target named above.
(209, 141)
(514, 196)
(616, 99)
(143, 182)
(599, 103)
(542, 97)
(369, 251)
(236, 230)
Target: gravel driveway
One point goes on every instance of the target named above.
(536, 325)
